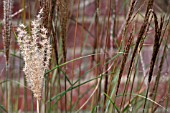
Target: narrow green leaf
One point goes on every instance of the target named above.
(117, 109)
(3, 108)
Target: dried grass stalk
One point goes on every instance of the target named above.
(125, 56)
(36, 51)
(63, 13)
(157, 43)
(7, 6)
(64, 16)
(129, 16)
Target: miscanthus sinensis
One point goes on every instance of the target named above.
(36, 51)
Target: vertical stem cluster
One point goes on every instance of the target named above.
(157, 42)
(63, 6)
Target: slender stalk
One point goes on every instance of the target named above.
(6, 34)
(7, 90)
(75, 38)
(157, 42)
(63, 11)
(18, 86)
(38, 106)
(96, 50)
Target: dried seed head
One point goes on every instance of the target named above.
(36, 51)
(6, 34)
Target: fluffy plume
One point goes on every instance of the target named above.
(36, 51)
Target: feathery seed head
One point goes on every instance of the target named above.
(36, 51)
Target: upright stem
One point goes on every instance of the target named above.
(38, 108)
(7, 97)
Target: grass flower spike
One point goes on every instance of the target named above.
(36, 51)
(7, 7)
